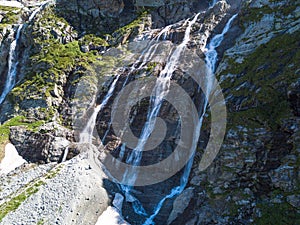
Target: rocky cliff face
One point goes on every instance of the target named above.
(254, 178)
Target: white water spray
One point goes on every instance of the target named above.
(160, 90)
(175, 191)
(40, 8)
(211, 56)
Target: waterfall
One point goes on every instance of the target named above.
(160, 90)
(211, 59)
(211, 53)
(13, 56)
(66, 152)
(149, 52)
(175, 191)
(86, 135)
(36, 11)
(12, 65)
(143, 59)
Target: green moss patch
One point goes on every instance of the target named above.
(255, 14)
(52, 61)
(249, 15)
(93, 39)
(130, 30)
(262, 81)
(279, 214)
(54, 172)
(41, 222)
(10, 15)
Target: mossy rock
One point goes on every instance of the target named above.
(259, 90)
(11, 15)
(249, 15)
(129, 31)
(279, 214)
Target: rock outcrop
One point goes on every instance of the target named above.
(45, 145)
(255, 176)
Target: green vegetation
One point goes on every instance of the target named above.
(263, 79)
(52, 61)
(255, 14)
(56, 56)
(151, 66)
(2, 150)
(92, 39)
(54, 172)
(10, 15)
(279, 214)
(132, 28)
(41, 222)
(134, 24)
(16, 201)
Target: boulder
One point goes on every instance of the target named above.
(46, 145)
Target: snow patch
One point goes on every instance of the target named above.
(11, 160)
(111, 216)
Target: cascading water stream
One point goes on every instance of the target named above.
(211, 60)
(144, 58)
(36, 11)
(12, 65)
(211, 57)
(13, 56)
(211, 54)
(149, 52)
(175, 191)
(160, 90)
(86, 135)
